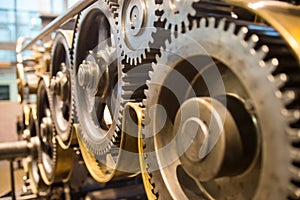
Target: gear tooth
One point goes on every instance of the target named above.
(150, 74)
(115, 134)
(144, 103)
(221, 25)
(166, 26)
(262, 52)
(288, 97)
(179, 28)
(186, 23)
(293, 134)
(295, 154)
(278, 80)
(160, 8)
(294, 192)
(291, 116)
(148, 49)
(295, 173)
(212, 22)
(242, 33)
(140, 59)
(151, 40)
(193, 12)
(271, 65)
(194, 24)
(252, 41)
(231, 28)
(167, 43)
(203, 22)
(146, 92)
(144, 55)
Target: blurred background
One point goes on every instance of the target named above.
(18, 18)
(21, 18)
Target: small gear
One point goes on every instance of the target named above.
(175, 13)
(256, 82)
(135, 24)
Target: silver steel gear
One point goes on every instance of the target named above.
(135, 24)
(54, 163)
(259, 95)
(60, 87)
(96, 87)
(175, 13)
(48, 146)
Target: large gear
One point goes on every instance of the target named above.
(60, 87)
(256, 82)
(135, 22)
(97, 87)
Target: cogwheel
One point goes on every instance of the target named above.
(54, 163)
(135, 24)
(175, 13)
(97, 85)
(60, 86)
(257, 94)
(87, 57)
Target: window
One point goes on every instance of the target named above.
(4, 92)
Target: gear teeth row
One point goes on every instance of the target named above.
(269, 47)
(53, 142)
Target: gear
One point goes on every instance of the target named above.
(136, 28)
(60, 86)
(256, 82)
(175, 13)
(37, 185)
(96, 88)
(54, 163)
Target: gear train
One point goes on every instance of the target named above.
(200, 98)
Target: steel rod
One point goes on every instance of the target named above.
(18, 149)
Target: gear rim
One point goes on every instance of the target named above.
(268, 67)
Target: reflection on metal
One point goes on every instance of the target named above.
(199, 98)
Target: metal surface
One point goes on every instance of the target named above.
(281, 16)
(18, 149)
(96, 85)
(175, 13)
(54, 163)
(135, 29)
(61, 102)
(250, 91)
(200, 97)
(71, 12)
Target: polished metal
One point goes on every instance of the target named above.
(18, 149)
